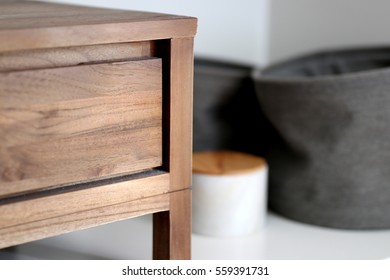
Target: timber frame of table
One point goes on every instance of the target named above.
(95, 122)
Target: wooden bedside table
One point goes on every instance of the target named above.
(95, 122)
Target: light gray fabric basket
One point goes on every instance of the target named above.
(330, 160)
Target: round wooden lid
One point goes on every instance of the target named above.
(226, 163)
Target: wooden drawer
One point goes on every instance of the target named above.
(74, 124)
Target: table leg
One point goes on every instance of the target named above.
(172, 229)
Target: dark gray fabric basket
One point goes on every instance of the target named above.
(330, 160)
(226, 109)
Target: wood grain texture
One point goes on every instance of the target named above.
(71, 56)
(172, 230)
(79, 123)
(181, 97)
(56, 214)
(32, 25)
(81, 107)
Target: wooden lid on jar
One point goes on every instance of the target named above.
(226, 163)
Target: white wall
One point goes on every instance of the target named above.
(259, 32)
(232, 30)
(301, 26)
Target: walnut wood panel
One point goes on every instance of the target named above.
(172, 230)
(79, 123)
(181, 88)
(71, 56)
(27, 25)
(48, 216)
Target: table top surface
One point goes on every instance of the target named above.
(30, 15)
(32, 25)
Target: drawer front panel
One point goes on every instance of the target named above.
(73, 124)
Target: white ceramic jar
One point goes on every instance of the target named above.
(229, 193)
